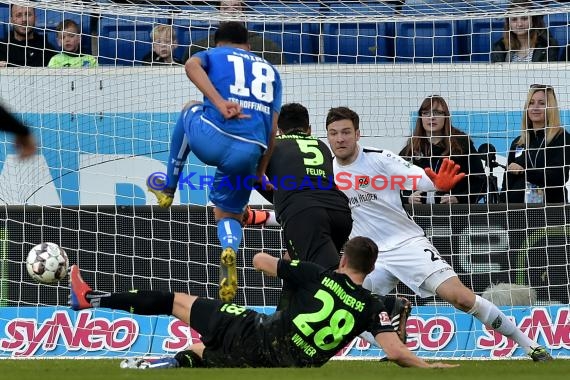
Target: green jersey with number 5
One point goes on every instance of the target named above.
(301, 170)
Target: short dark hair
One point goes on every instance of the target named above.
(361, 253)
(232, 32)
(343, 113)
(67, 23)
(293, 116)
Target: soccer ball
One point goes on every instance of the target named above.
(47, 263)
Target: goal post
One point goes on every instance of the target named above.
(101, 131)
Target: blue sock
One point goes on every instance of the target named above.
(229, 233)
(179, 150)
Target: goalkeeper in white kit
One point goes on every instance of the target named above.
(406, 254)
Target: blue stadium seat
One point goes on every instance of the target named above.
(558, 28)
(363, 9)
(427, 42)
(450, 7)
(47, 21)
(284, 9)
(125, 40)
(299, 41)
(189, 31)
(483, 33)
(358, 42)
(4, 20)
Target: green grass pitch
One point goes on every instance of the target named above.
(54, 369)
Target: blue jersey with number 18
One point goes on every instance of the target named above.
(251, 81)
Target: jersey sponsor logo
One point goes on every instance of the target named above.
(248, 104)
(361, 198)
(384, 319)
(339, 291)
(363, 181)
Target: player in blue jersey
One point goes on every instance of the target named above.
(233, 129)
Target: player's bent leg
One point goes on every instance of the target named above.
(228, 275)
(164, 187)
(453, 291)
(182, 306)
(229, 234)
(164, 196)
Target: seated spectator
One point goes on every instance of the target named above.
(23, 46)
(539, 159)
(259, 45)
(163, 43)
(435, 138)
(69, 40)
(525, 38)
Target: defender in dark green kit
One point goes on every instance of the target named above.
(313, 212)
(328, 310)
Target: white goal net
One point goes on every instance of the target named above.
(103, 130)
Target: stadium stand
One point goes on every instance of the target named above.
(4, 19)
(427, 42)
(558, 28)
(480, 37)
(47, 21)
(361, 42)
(299, 41)
(189, 32)
(125, 40)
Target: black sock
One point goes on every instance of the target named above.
(189, 359)
(142, 302)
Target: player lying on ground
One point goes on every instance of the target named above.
(328, 310)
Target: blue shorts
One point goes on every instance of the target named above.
(236, 161)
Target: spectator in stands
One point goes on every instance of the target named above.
(259, 45)
(525, 38)
(539, 159)
(23, 46)
(435, 138)
(164, 41)
(69, 40)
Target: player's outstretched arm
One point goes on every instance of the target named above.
(265, 263)
(25, 142)
(397, 352)
(447, 177)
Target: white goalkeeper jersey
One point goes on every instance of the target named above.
(376, 178)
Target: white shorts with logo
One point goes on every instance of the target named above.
(416, 264)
